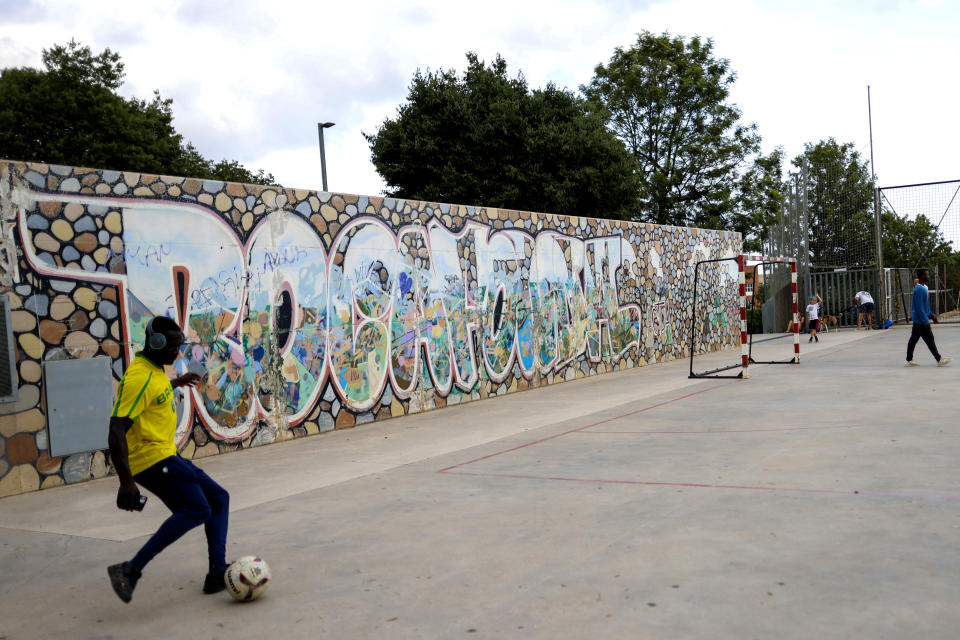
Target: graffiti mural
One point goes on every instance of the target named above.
(308, 311)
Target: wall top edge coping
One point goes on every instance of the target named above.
(45, 168)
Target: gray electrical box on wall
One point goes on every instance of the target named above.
(79, 395)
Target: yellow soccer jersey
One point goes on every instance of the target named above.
(146, 397)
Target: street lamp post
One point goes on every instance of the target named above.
(323, 157)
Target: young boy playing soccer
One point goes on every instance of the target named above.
(813, 316)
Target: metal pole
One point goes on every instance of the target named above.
(780, 225)
(876, 210)
(323, 156)
(693, 314)
(806, 231)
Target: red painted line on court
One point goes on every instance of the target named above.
(845, 426)
(558, 435)
(698, 485)
(772, 429)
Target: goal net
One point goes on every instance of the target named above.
(748, 301)
(773, 318)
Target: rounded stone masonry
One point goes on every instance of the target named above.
(19, 479)
(113, 222)
(72, 211)
(31, 345)
(23, 321)
(47, 465)
(62, 230)
(46, 242)
(81, 344)
(86, 298)
(86, 242)
(76, 468)
(61, 306)
(52, 332)
(78, 320)
(22, 448)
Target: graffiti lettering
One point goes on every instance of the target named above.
(418, 305)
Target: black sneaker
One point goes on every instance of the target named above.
(214, 582)
(124, 578)
(817, 338)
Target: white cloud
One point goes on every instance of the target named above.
(250, 81)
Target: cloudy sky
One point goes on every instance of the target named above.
(250, 79)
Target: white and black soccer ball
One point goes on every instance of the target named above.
(247, 578)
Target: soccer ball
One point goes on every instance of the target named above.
(247, 578)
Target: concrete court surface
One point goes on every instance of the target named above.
(812, 500)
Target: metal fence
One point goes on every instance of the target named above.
(896, 299)
(938, 202)
(838, 289)
(789, 235)
(830, 224)
(936, 207)
(898, 284)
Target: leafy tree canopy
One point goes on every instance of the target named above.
(914, 243)
(918, 243)
(69, 113)
(78, 64)
(761, 200)
(697, 163)
(486, 138)
(839, 205)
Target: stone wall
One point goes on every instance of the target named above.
(314, 311)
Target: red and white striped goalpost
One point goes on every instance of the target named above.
(744, 346)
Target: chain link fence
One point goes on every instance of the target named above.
(932, 241)
(829, 224)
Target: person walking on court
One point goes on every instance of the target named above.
(864, 308)
(813, 316)
(143, 425)
(921, 322)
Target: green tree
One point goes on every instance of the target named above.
(913, 243)
(485, 138)
(70, 114)
(667, 99)
(918, 243)
(761, 193)
(839, 205)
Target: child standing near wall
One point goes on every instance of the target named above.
(813, 316)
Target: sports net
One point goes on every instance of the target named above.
(735, 304)
(842, 226)
(770, 311)
(716, 313)
(921, 228)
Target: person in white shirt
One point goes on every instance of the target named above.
(813, 316)
(864, 308)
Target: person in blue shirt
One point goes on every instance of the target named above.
(921, 322)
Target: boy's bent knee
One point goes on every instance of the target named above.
(218, 496)
(221, 501)
(197, 512)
